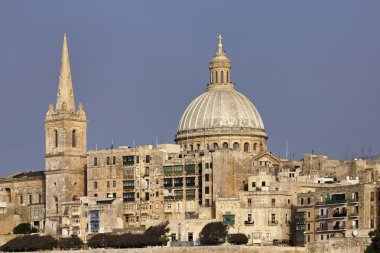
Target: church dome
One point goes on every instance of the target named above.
(222, 108)
(221, 116)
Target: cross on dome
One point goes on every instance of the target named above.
(220, 45)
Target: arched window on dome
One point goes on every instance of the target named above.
(211, 77)
(56, 138)
(215, 145)
(246, 147)
(236, 146)
(73, 139)
(216, 76)
(254, 146)
(225, 145)
(228, 76)
(221, 77)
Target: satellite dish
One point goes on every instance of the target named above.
(355, 233)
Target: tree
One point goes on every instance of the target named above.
(238, 239)
(70, 243)
(213, 233)
(24, 228)
(375, 242)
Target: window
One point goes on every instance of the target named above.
(108, 160)
(21, 200)
(301, 201)
(308, 226)
(246, 147)
(73, 138)
(114, 160)
(321, 237)
(128, 160)
(95, 161)
(308, 201)
(191, 147)
(173, 237)
(273, 218)
(39, 198)
(95, 185)
(221, 77)
(30, 199)
(253, 184)
(254, 146)
(273, 202)
(372, 196)
(228, 76)
(207, 190)
(207, 177)
(108, 184)
(236, 146)
(207, 202)
(113, 184)
(190, 236)
(263, 183)
(225, 145)
(56, 138)
(215, 145)
(147, 159)
(216, 76)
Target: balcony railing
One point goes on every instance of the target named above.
(249, 223)
(273, 223)
(332, 202)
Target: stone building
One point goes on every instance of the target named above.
(335, 212)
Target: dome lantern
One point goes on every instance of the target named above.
(220, 68)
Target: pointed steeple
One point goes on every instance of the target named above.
(65, 95)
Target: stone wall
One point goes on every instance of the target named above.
(218, 249)
(340, 245)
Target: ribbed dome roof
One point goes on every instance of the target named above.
(220, 108)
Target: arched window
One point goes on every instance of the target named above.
(191, 147)
(74, 138)
(228, 77)
(221, 77)
(246, 147)
(198, 147)
(236, 146)
(211, 77)
(215, 145)
(216, 76)
(225, 145)
(96, 185)
(56, 138)
(254, 146)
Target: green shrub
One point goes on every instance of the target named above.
(70, 243)
(153, 236)
(238, 239)
(30, 243)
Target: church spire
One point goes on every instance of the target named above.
(65, 96)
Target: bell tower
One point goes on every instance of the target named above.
(65, 148)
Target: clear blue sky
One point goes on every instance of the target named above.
(312, 68)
